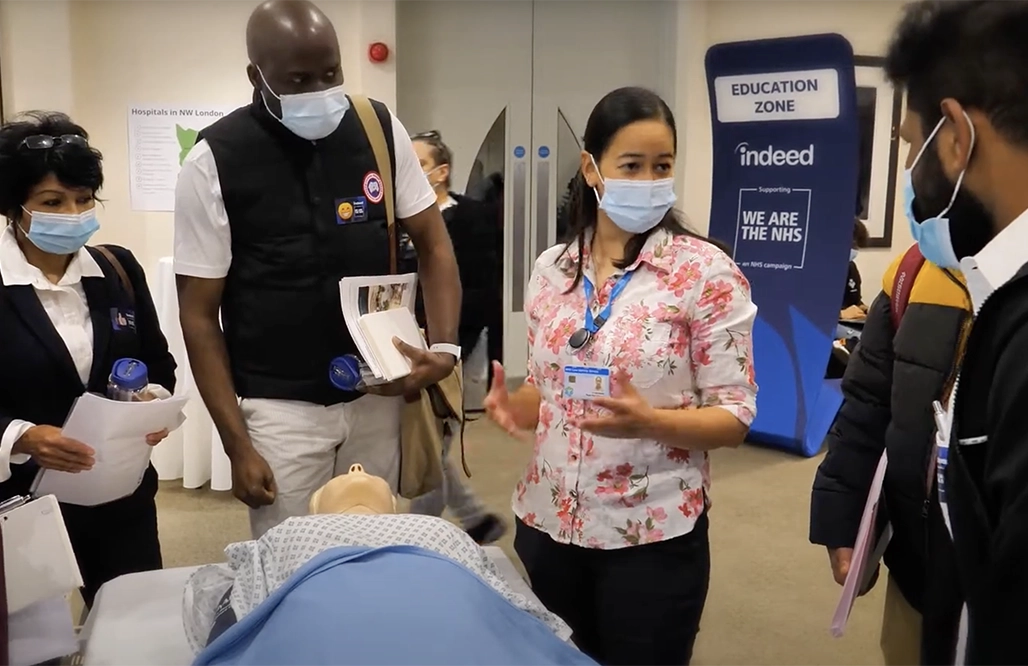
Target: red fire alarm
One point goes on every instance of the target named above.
(378, 52)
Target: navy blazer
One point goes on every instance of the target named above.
(38, 379)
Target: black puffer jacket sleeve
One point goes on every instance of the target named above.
(857, 438)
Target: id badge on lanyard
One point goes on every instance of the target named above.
(943, 424)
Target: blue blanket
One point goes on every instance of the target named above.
(393, 606)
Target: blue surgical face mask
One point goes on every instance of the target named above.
(933, 233)
(636, 206)
(853, 254)
(61, 233)
(312, 115)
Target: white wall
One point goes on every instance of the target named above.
(35, 54)
(94, 58)
(867, 24)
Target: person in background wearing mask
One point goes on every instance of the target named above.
(275, 203)
(853, 311)
(964, 69)
(62, 306)
(853, 308)
(473, 233)
(612, 509)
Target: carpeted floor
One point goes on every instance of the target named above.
(771, 595)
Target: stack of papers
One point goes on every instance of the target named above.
(377, 310)
(865, 558)
(116, 431)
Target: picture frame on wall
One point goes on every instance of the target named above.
(879, 112)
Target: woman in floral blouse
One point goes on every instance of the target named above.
(612, 523)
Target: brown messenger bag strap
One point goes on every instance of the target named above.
(119, 269)
(376, 137)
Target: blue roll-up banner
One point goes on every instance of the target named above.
(786, 151)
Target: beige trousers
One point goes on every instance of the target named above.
(901, 629)
(307, 444)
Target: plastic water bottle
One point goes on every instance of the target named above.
(128, 380)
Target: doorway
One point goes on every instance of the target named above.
(509, 85)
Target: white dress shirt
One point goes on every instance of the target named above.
(203, 238)
(66, 305)
(998, 262)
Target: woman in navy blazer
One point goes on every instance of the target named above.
(67, 313)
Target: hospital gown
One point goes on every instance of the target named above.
(256, 569)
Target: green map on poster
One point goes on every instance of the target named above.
(186, 139)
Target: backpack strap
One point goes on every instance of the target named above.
(119, 269)
(376, 137)
(903, 283)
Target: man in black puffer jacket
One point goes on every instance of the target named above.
(889, 385)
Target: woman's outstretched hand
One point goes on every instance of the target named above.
(629, 415)
(498, 405)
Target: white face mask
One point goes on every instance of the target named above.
(428, 173)
(312, 115)
(636, 206)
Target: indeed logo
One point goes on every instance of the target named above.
(771, 156)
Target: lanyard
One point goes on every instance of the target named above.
(593, 325)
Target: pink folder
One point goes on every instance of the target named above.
(865, 558)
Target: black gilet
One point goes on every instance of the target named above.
(303, 214)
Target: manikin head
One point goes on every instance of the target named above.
(354, 492)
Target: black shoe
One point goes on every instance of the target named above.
(489, 530)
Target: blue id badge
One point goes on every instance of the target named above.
(581, 383)
(123, 320)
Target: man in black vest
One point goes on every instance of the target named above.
(263, 236)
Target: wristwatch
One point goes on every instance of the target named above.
(446, 348)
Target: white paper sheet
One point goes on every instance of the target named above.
(380, 328)
(38, 561)
(117, 432)
(41, 632)
(865, 558)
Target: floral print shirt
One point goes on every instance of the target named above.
(681, 329)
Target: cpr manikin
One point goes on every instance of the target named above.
(354, 492)
(279, 593)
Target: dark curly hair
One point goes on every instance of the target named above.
(577, 213)
(22, 168)
(975, 51)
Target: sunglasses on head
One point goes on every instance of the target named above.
(46, 142)
(431, 135)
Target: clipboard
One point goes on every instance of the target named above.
(867, 552)
(38, 560)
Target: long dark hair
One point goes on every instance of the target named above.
(616, 110)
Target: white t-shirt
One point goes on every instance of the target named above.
(203, 238)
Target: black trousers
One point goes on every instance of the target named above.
(630, 606)
(470, 335)
(116, 538)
